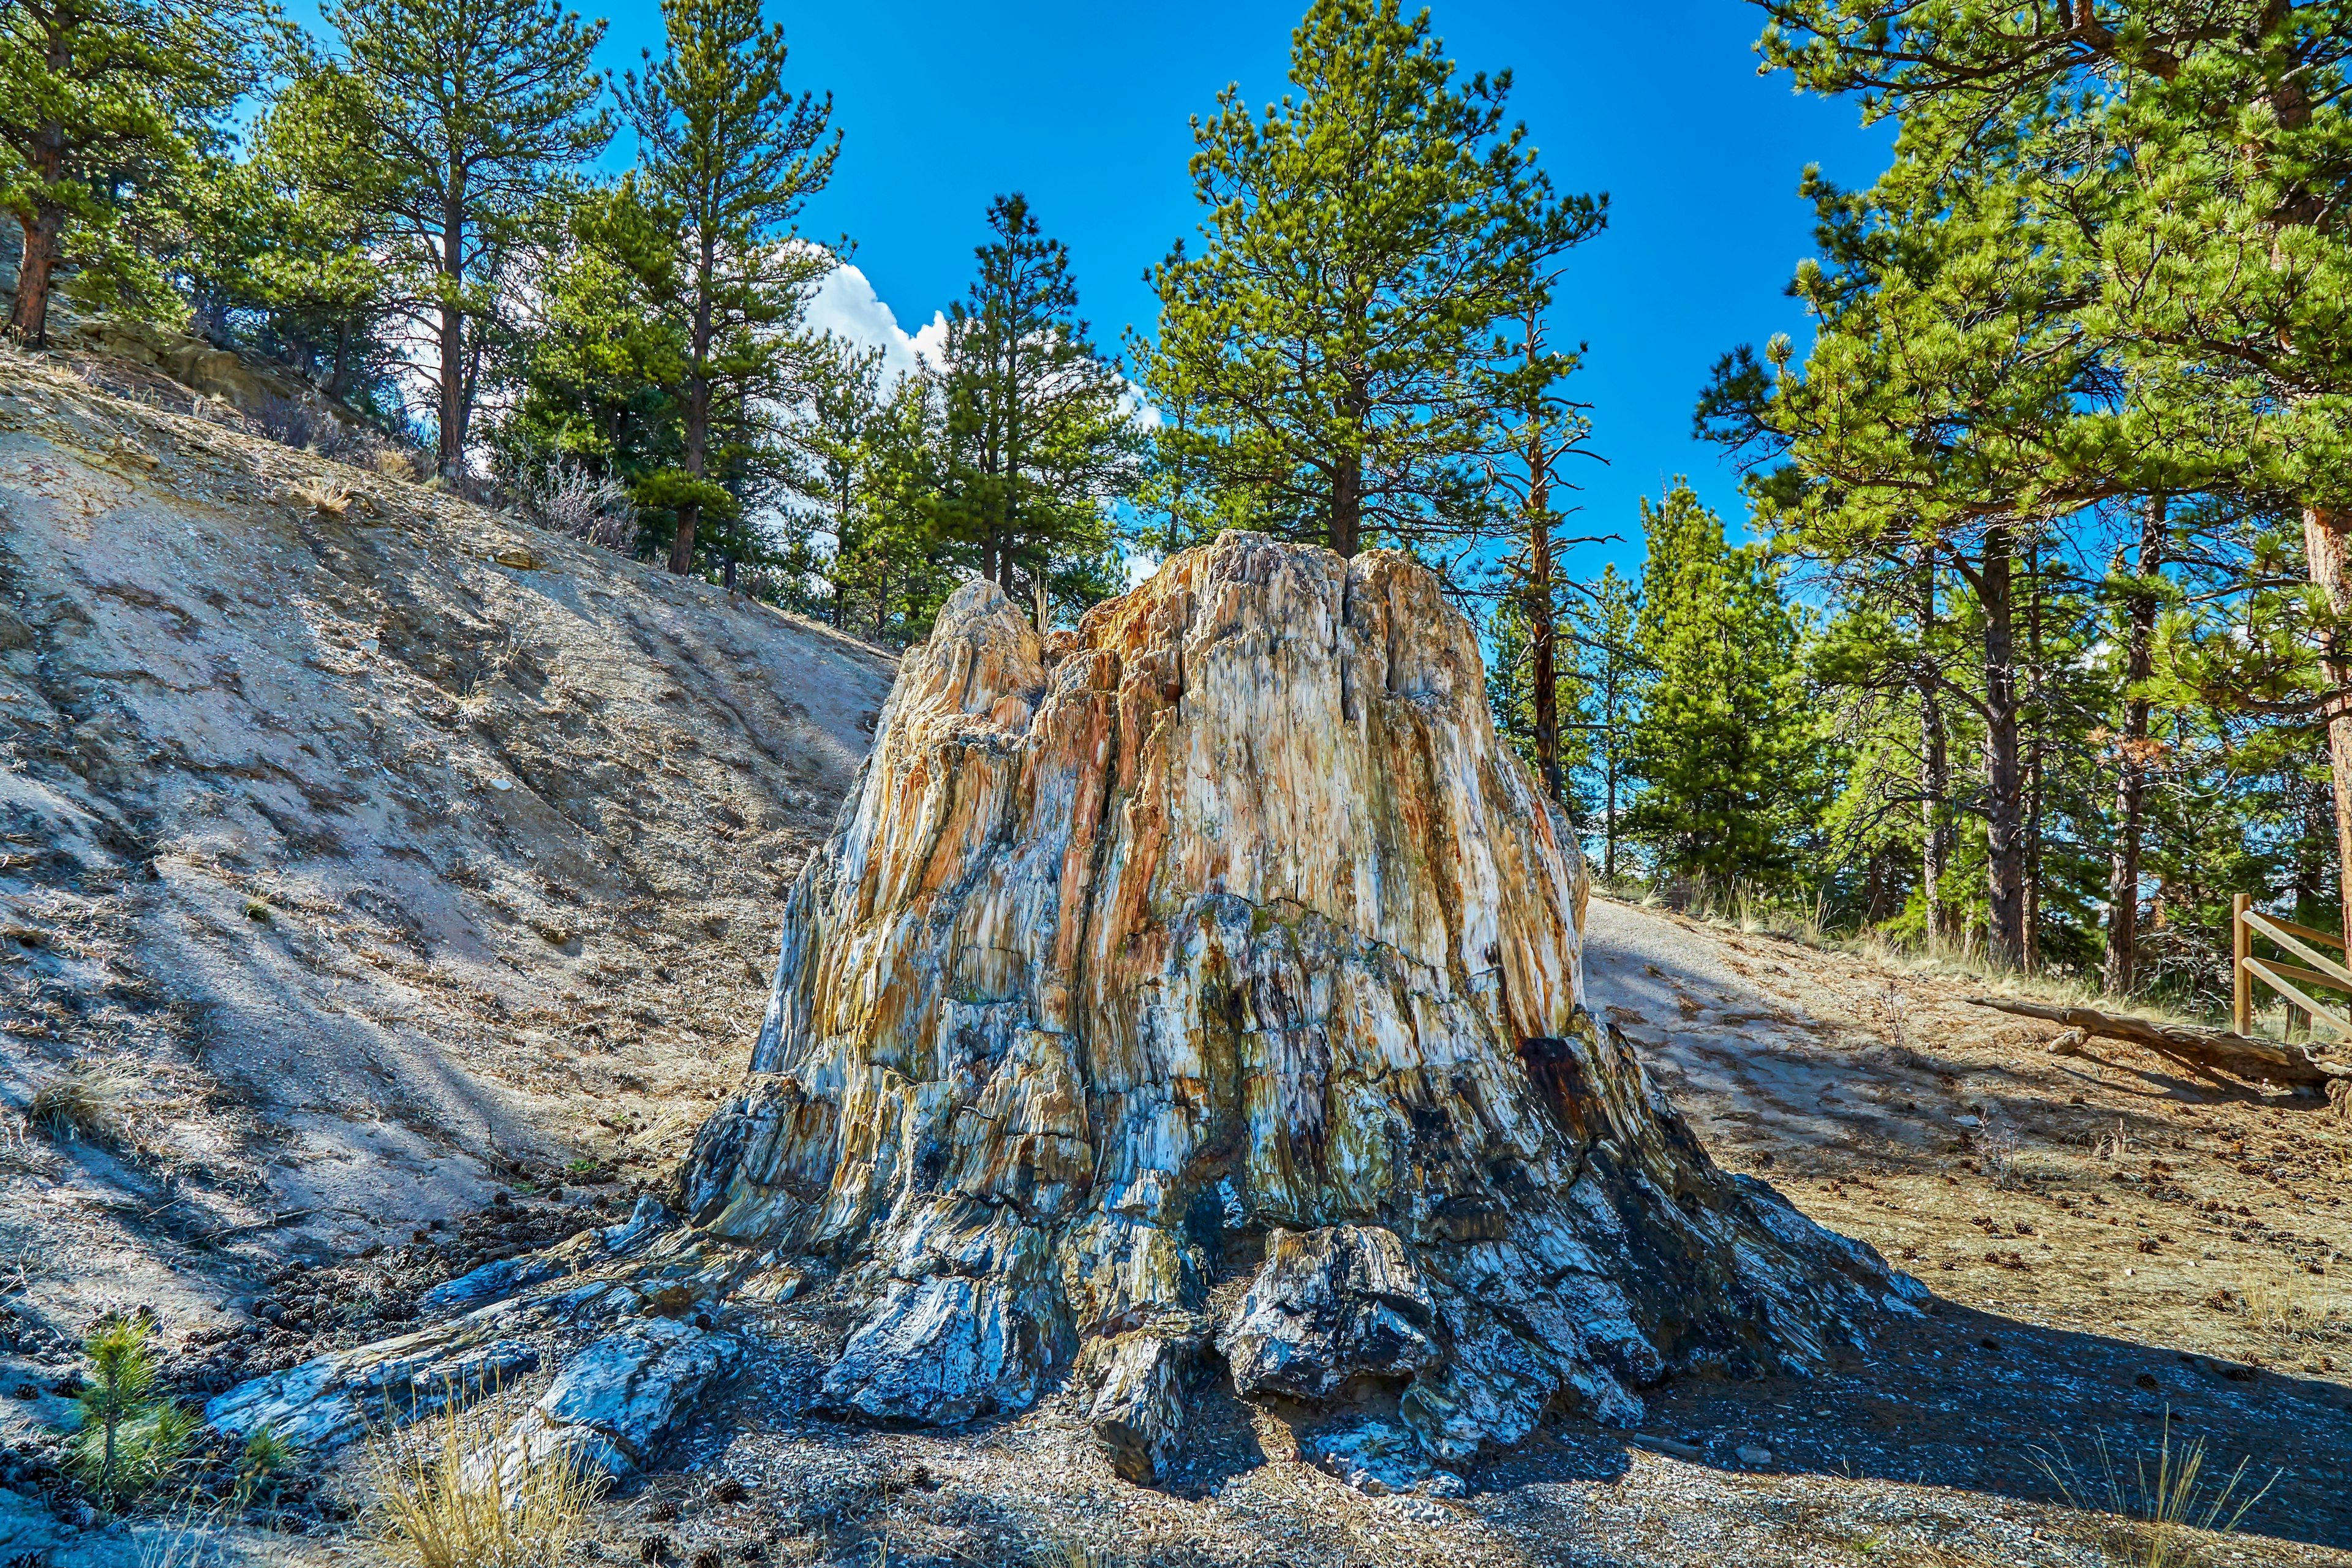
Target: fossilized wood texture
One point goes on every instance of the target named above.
(1226, 918)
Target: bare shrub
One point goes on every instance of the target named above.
(323, 496)
(398, 463)
(290, 423)
(567, 499)
(1996, 1143)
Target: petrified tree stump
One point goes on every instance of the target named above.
(1222, 927)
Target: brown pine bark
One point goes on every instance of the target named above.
(450, 339)
(2004, 763)
(43, 222)
(2035, 756)
(1346, 508)
(1935, 761)
(28, 320)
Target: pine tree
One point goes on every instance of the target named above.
(732, 156)
(1537, 437)
(594, 388)
(478, 108)
(1951, 404)
(1335, 344)
(911, 566)
(1725, 747)
(843, 400)
(2175, 169)
(1040, 439)
(1609, 682)
(104, 105)
(324, 190)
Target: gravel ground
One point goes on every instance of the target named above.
(1846, 1079)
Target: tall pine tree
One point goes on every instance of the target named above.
(104, 105)
(1040, 436)
(478, 108)
(1726, 748)
(732, 154)
(1335, 345)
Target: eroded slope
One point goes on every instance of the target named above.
(382, 844)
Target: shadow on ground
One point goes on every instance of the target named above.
(1973, 1401)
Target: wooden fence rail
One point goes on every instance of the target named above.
(2289, 980)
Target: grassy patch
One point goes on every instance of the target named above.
(2163, 1510)
(462, 1494)
(92, 1103)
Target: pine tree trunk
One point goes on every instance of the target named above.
(43, 226)
(1346, 508)
(2326, 536)
(2004, 773)
(28, 320)
(338, 381)
(2035, 757)
(1539, 618)
(1935, 764)
(451, 338)
(698, 408)
(1610, 752)
(2119, 972)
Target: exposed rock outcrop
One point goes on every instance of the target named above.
(1221, 927)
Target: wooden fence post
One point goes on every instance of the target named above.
(2242, 985)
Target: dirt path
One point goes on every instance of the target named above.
(2115, 1247)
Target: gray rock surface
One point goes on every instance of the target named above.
(1378, 1457)
(1328, 1307)
(617, 1401)
(944, 1349)
(330, 1400)
(1139, 1383)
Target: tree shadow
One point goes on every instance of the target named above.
(1977, 1402)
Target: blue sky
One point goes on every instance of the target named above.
(1086, 108)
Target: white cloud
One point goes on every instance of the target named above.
(932, 342)
(845, 304)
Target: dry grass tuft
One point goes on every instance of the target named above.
(458, 1496)
(2284, 1306)
(2164, 1511)
(93, 1102)
(322, 496)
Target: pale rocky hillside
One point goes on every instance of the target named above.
(372, 849)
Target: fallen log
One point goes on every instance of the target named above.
(2241, 1055)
